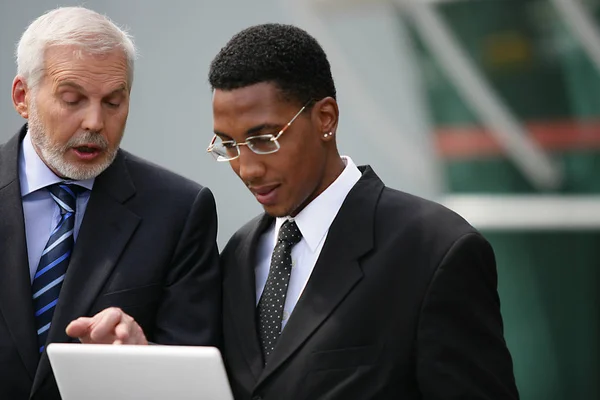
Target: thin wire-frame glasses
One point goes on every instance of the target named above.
(228, 150)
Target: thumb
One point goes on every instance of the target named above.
(79, 327)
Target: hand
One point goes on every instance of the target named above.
(109, 326)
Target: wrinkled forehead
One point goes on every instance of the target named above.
(92, 72)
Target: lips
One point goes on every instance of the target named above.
(265, 194)
(87, 151)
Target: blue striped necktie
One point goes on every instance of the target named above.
(52, 268)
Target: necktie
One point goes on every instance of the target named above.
(52, 268)
(272, 301)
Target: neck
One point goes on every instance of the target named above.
(334, 170)
(335, 166)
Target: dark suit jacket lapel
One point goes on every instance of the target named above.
(337, 270)
(240, 287)
(16, 305)
(105, 231)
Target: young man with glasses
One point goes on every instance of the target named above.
(343, 288)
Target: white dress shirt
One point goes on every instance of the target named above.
(314, 222)
(41, 212)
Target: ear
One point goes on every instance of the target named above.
(20, 96)
(326, 115)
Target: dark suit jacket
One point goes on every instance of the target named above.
(146, 245)
(401, 304)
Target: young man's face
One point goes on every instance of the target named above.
(284, 182)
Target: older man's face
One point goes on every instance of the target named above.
(78, 111)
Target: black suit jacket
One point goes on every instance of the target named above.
(146, 244)
(401, 304)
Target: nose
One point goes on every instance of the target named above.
(94, 118)
(249, 166)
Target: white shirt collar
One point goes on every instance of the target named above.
(316, 218)
(34, 174)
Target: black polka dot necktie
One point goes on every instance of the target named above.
(272, 301)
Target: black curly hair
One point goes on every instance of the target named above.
(282, 54)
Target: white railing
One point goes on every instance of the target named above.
(527, 212)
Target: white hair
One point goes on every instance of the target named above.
(88, 30)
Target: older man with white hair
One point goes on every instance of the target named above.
(87, 229)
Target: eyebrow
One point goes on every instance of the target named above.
(76, 86)
(253, 130)
(223, 135)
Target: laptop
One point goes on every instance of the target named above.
(126, 372)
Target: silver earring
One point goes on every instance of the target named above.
(328, 134)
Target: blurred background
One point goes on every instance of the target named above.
(491, 107)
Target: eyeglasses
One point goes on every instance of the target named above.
(228, 150)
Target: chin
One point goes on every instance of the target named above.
(81, 171)
(276, 211)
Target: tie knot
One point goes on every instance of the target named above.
(65, 195)
(289, 233)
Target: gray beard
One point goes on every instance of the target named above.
(53, 155)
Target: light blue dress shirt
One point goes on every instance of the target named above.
(41, 212)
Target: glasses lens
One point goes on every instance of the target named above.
(224, 151)
(263, 144)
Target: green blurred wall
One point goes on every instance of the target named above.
(548, 281)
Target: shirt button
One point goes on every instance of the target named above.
(286, 315)
(293, 263)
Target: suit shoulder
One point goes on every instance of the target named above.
(149, 175)
(420, 228)
(422, 215)
(244, 233)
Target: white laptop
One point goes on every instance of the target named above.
(122, 372)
